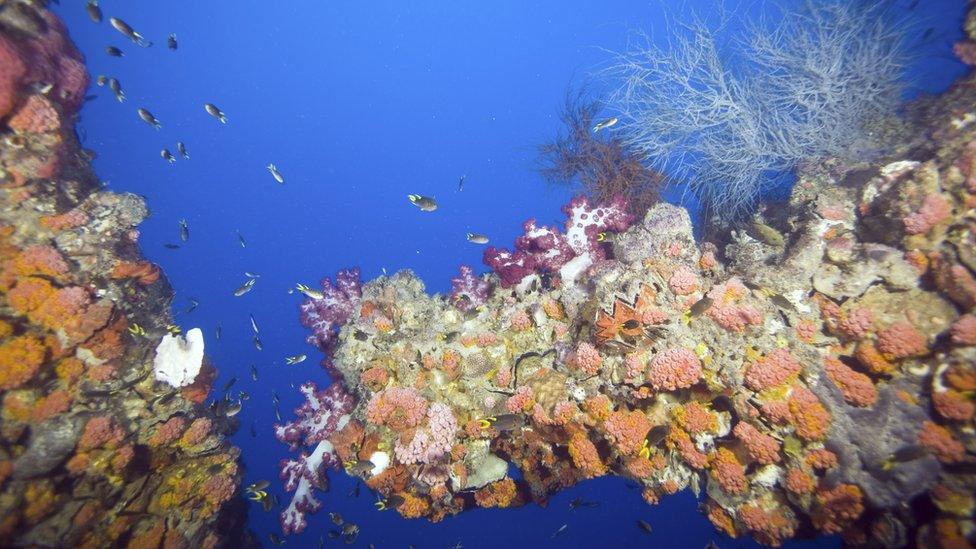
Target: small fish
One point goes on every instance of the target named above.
(389, 503)
(254, 373)
(278, 414)
(136, 330)
(781, 302)
(234, 409)
(240, 238)
(213, 111)
(477, 238)
(114, 52)
(242, 395)
(259, 485)
(502, 422)
(558, 531)
(217, 331)
(257, 344)
(461, 183)
(275, 539)
(94, 12)
(653, 438)
(269, 503)
(700, 306)
(336, 519)
(275, 173)
(244, 288)
(167, 156)
(766, 234)
(256, 495)
(904, 454)
(309, 292)
(425, 203)
(171, 246)
(274, 397)
(113, 84)
(644, 525)
(297, 359)
(254, 325)
(129, 32)
(171, 42)
(251, 275)
(230, 383)
(101, 80)
(184, 230)
(603, 124)
(149, 118)
(578, 502)
(359, 468)
(181, 148)
(350, 529)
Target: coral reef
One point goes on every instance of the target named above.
(94, 452)
(815, 380)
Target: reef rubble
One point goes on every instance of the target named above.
(94, 451)
(816, 376)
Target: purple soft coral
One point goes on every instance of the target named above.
(324, 315)
(468, 289)
(545, 249)
(323, 413)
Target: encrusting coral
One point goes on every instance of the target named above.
(93, 451)
(813, 381)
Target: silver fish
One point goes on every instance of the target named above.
(259, 346)
(167, 156)
(116, 88)
(184, 230)
(275, 173)
(171, 42)
(609, 122)
(100, 80)
(477, 238)
(182, 150)
(234, 409)
(213, 111)
(297, 359)
(114, 52)
(94, 12)
(244, 288)
(129, 32)
(254, 325)
(425, 203)
(149, 118)
(240, 238)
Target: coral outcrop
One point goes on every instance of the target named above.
(811, 375)
(94, 452)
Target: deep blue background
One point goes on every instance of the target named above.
(360, 103)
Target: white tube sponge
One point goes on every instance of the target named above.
(178, 360)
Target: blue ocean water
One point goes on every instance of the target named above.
(360, 104)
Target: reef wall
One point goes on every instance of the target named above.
(813, 374)
(94, 452)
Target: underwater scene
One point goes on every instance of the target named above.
(457, 275)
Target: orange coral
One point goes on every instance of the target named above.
(626, 430)
(855, 386)
(729, 472)
(836, 508)
(20, 358)
(695, 418)
(145, 272)
(621, 321)
(872, 359)
(679, 440)
(941, 443)
(768, 527)
(585, 456)
(809, 416)
(413, 506)
(799, 482)
(497, 494)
